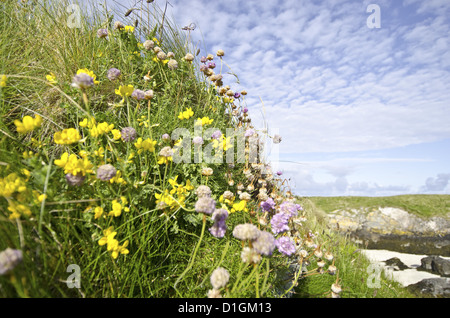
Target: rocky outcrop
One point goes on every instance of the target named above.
(394, 229)
(432, 287)
(436, 264)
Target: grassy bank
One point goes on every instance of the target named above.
(419, 204)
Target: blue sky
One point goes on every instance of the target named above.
(362, 111)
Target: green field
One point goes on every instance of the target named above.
(418, 204)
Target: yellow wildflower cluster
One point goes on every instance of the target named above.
(96, 130)
(74, 165)
(239, 206)
(188, 113)
(145, 145)
(118, 178)
(67, 136)
(176, 196)
(117, 206)
(224, 143)
(14, 189)
(112, 245)
(126, 90)
(11, 184)
(28, 124)
(204, 121)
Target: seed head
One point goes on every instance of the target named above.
(106, 172)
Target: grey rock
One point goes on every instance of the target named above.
(432, 287)
(436, 264)
(396, 263)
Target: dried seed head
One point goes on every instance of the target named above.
(75, 180)
(106, 172)
(148, 45)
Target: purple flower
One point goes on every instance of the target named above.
(289, 208)
(285, 245)
(268, 205)
(9, 259)
(165, 137)
(138, 94)
(237, 95)
(82, 81)
(211, 65)
(216, 135)
(219, 228)
(245, 110)
(203, 59)
(203, 68)
(113, 74)
(128, 134)
(279, 223)
(198, 140)
(279, 173)
(264, 244)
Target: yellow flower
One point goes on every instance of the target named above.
(51, 78)
(42, 197)
(28, 124)
(130, 158)
(3, 80)
(67, 136)
(188, 113)
(224, 143)
(125, 90)
(100, 152)
(78, 166)
(17, 210)
(129, 28)
(204, 121)
(62, 161)
(88, 72)
(157, 60)
(120, 249)
(116, 134)
(10, 184)
(117, 207)
(98, 212)
(108, 236)
(118, 178)
(147, 144)
(240, 206)
(164, 160)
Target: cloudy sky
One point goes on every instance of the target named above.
(360, 96)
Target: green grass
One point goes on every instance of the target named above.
(419, 204)
(354, 271)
